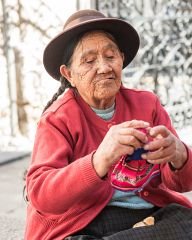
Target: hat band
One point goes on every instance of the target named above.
(81, 20)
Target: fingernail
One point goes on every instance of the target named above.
(152, 132)
(146, 147)
(144, 156)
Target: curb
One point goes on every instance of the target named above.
(8, 157)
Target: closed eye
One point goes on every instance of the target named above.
(110, 57)
(90, 61)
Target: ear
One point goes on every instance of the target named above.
(65, 72)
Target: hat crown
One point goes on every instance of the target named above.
(84, 21)
(82, 16)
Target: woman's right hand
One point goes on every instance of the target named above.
(121, 139)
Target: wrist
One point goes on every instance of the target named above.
(99, 165)
(178, 164)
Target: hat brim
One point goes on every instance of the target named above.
(125, 35)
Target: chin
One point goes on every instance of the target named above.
(108, 93)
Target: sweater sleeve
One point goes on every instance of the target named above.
(178, 180)
(55, 182)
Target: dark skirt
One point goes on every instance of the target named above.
(173, 222)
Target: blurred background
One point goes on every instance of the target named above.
(163, 65)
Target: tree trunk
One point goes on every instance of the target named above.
(20, 101)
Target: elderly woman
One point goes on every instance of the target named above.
(83, 137)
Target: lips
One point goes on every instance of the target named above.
(103, 78)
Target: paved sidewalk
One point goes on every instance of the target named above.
(7, 157)
(13, 206)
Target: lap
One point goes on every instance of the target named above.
(173, 222)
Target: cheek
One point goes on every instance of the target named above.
(119, 64)
(118, 69)
(85, 72)
(84, 80)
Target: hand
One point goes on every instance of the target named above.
(120, 140)
(165, 147)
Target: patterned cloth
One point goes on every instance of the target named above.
(173, 222)
(132, 172)
(133, 175)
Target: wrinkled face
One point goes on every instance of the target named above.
(95, 69)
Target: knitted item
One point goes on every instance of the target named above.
(132, 172)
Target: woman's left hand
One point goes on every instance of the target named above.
(165, 147)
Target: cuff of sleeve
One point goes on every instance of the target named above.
(184, 174)
(189, 156)
(90, 176)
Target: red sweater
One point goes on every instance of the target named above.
(64, 191)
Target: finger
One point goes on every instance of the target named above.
(130, 141)
(135, 133)
(129, 150)
(159, 143)
(135, 124)
(158, 131)
(158, 154)
(161, 160)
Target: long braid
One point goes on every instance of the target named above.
(64, 85)
(67, 61)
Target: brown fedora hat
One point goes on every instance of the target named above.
(84, 21)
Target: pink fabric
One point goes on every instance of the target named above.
(133, 175)
(132, 172)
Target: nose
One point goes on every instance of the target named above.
(103, 66)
